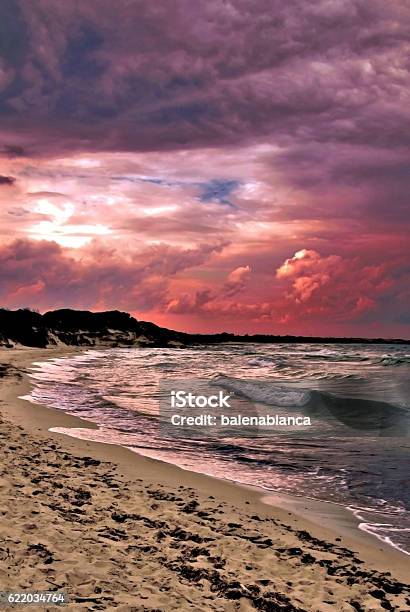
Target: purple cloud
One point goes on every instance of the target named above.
(7, 180)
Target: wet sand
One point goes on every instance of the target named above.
(118, 531)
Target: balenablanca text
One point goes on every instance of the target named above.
(268, 420)
(239, 420)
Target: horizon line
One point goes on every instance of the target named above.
(216, 333)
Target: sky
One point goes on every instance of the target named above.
(217, 165)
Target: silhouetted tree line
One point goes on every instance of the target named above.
(113, 328)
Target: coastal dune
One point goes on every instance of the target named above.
(118, 531)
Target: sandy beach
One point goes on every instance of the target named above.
(118, 531)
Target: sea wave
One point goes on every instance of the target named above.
(363, 415)
(389, 360)
(266, 393)
(334, 356)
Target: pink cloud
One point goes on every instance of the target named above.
(331, 286)
(310, 293)
(101, 278)
(239, 276)
(309, 272)
(211, 300)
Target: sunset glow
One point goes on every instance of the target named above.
(202, 182)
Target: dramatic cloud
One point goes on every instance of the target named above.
(44, 273)
(213, 164)
(206, 72)
(309, 272)
(336, 288)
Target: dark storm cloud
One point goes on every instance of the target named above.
(7, 180)
(12, 151)
(144, 75)
(325, 81)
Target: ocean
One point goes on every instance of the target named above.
(357, 396)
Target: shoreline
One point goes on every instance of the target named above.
(336, 516)
(321, 521)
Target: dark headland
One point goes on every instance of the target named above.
(114, 328)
